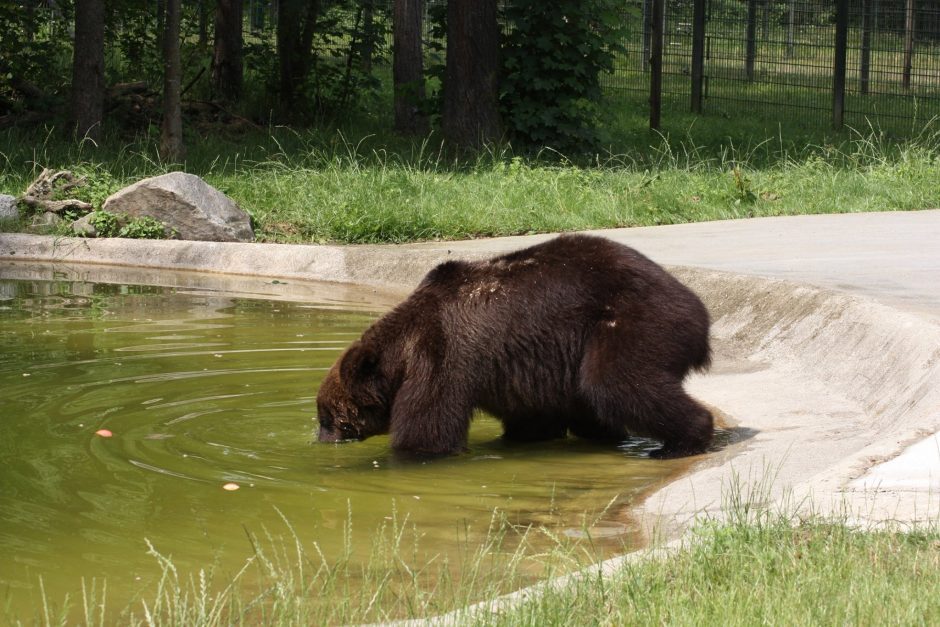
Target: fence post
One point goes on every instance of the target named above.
(698, 53)
(656, 63)
(864, 70)
(791, 17)
(908, 43)
(838, 65)
(751, 37)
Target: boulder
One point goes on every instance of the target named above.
(83, 227)
(185, 204)
(46, 219)
(8, 210)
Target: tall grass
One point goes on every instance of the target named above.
(814, 572)
(288, 580)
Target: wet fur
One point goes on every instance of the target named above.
(578, 334)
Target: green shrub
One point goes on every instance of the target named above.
(143, 227)
(553, 56)
(105, 223)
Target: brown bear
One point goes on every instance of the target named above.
(578, 334)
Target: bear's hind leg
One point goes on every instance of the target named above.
(621, 379)
(661, 409)
(588, 427)
(686, 428)
(534, 428)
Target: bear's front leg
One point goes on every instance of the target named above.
(429, 420)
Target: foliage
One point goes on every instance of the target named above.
(105, 223)
(436, 51)
(108, 224)
(34, 47)
(349, 43)
(553, 55)
(143, 227)
(344, 48)
(98, 183)
(36, 52)
(134, 43)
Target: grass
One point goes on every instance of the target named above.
(814, 573)
(757, 566)
(346, 184)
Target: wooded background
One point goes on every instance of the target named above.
(302, 61)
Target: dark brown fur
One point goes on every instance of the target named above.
(576, 334)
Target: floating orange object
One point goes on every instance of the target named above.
(105, 433)
(231, 487)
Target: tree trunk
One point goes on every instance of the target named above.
(288, 18)
(227, 69)
(203, 25)
(471, 78)
(368, 29)
(408, 68)
(171, 132)
(88, 69)
(160, 7)
(296, 24)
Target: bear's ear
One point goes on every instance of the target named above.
(359, 371)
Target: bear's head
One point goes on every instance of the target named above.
(353, 401)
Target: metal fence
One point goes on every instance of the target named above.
(845, 61)
(855, 60)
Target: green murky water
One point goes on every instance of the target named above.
(201, 389)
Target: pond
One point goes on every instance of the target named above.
(199, 388)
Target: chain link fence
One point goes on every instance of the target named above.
(855, 60)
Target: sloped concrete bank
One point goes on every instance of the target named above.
(823, 386)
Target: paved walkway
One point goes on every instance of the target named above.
(894, 257)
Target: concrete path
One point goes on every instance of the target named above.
(893, 257)
(827, 334)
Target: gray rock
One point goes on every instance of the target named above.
(186, 204)
(46, 219)
(8, 210)
(83, 226)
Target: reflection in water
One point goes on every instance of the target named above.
(203, 389)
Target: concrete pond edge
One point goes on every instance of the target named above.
(818, 387)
